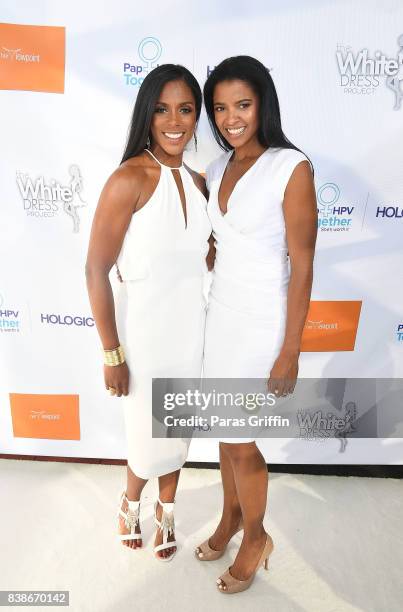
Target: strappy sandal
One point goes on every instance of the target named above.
(167, 526)
(131, 518)
(204, 552)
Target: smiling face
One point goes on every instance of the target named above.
(236, 112)
(174, 119)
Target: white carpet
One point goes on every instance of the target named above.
(338, 542)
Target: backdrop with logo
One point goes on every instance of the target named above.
(69, 76)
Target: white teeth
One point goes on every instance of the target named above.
(236, 131)
(173, 136)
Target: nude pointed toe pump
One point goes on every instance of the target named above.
(131, 517)
(204, 552)
(167, 526)
(227, 583)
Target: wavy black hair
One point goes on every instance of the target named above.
(253, 72)
(147, 98)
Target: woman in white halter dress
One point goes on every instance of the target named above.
(151, 221)
(161, 310)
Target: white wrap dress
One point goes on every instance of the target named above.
(248, 295)
(160, 311)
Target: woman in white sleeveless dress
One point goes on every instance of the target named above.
(263, 211)
(151, 221)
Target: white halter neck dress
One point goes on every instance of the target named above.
(248, 295)
(160, 311)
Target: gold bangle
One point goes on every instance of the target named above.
(114, 357)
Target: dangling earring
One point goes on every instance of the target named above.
(195, 139)
(148, 143)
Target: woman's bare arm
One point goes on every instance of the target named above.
(111, 220)
(300, 214)
(200, 183)
(301, 218)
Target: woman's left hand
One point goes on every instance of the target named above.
(283, 375)
(210, 258)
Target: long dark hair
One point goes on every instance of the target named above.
(147, 98)
(253, 72)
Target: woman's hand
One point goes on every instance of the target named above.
(283, 375)
(117, 377)
(211, 254)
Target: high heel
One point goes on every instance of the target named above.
(204, 552)
(131, 517)
(227, 583)
(167, 526)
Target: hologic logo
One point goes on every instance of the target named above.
(390, 212)
(149, 52)
(15, 55)
(9, 321)
(362, 74)
(43, 199)
(333, 217)
(56, 319)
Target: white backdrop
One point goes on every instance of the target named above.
(346, 117)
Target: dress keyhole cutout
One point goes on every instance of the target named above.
(179, 185)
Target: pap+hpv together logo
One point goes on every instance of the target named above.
(149, 51)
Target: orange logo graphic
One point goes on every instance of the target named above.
(331, 326)
(55, 417)
(32, 57)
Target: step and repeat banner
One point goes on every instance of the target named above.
(69, 76)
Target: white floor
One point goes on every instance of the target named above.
(338, 542)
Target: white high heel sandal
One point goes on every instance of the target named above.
(167, 526)
(131, 517)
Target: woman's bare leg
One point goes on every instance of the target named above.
(168, 483)
(135, 485)
(231, 512)
(251, 481)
